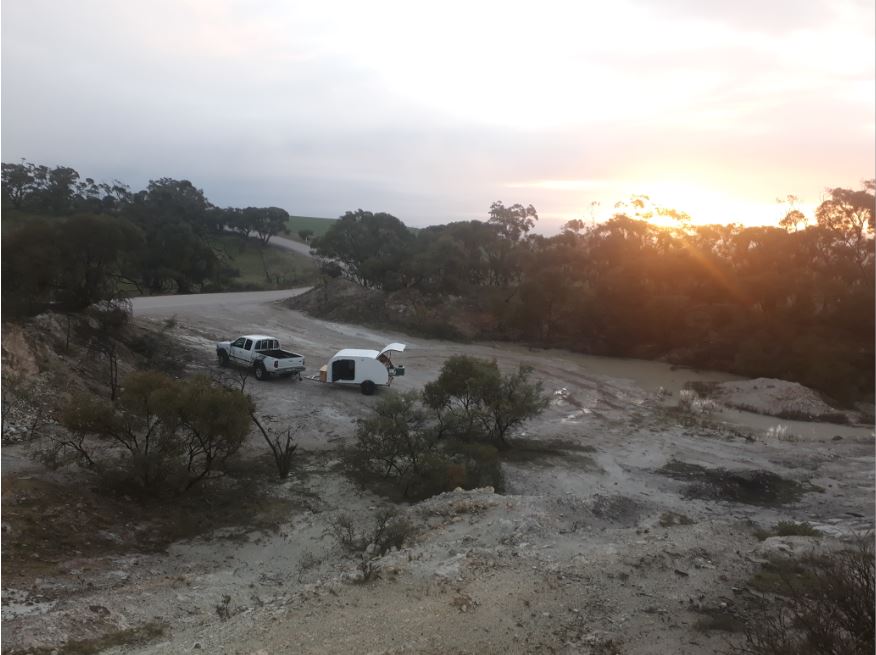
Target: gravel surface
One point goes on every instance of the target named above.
(578, 556)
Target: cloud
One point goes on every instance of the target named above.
(323, 107)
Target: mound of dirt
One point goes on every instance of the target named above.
(777, 398)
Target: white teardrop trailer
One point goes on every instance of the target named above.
(367, 368)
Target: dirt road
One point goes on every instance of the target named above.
(594, 545)
(289, 244)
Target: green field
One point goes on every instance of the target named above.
(318, 226)
(268, 268)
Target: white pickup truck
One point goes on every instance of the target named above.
(262, 354)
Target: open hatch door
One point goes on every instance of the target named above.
(394, 348)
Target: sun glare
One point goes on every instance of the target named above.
(706, 205)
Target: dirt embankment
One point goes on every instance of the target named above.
(445, 317)
(779, 398)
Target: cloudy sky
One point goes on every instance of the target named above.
(712, 107)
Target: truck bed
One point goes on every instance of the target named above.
(277, 354)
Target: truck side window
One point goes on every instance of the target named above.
(260, 345)
(239, 343)
(248, 345)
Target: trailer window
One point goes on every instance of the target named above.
(343, 369)
(248, 345)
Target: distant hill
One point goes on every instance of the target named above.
(319, 226)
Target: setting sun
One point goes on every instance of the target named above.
(708, 205)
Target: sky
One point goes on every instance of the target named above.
(432, 111)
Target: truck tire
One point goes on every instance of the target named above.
(223, 358)
(260, 373)
(367, 387)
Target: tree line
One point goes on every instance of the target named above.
(69, 242)
(793, 302)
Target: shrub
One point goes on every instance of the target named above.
(399, 443)
(789, 529)
(689, 401)
(388, 531)
(826, 607)
(163, 426)
(395, 440)
(471, 399)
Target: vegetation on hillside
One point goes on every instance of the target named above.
(69, 242)
(793, 302)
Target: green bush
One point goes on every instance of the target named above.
(159, 430)
(471, 399)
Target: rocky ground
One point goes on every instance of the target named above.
(627, 523)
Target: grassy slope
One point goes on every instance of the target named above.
(286, 268)
(319, 226)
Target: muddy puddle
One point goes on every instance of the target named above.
(750, 487)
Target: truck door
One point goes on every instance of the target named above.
(237, 349)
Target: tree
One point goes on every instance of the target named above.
(214, 421)
(266, 221)
(190, 428)
(368, 246)
(305, 235)
(111, 318)
(97, 254)
(173, 216)
(167, 199)
(137, 423)
(31, 263)
(457, 397)
(282, 447)
(68, 263)
(793, 220)
(239, 221)
(511, 403)
(395, 440)
(849, 215)
(18, 182)
(512, 222)
(471, 399)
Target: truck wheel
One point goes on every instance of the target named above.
(367, 387)
(260, 373)
(223, 358)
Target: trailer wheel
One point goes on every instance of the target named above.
(260, 373)
(367, 387)
(223, 358)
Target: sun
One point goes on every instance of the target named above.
(705, 205)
